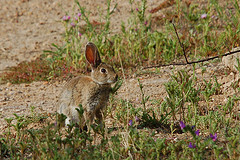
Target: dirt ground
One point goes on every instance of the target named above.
(27, 27)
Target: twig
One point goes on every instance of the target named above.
(203, 60)
(182, 46)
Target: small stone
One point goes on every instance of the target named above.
(49, 56)
(27, 85)
(45, 82)
(230, 61)
(9, 84)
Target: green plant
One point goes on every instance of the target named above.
(180, 91)
(210, 88)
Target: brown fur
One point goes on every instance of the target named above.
(91, 92)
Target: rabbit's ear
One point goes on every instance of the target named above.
(92, 55)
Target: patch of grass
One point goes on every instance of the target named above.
(40, 69)
(181, 90)
(26, 72)
(134, 132)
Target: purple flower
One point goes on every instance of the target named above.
(203, 16)
(73, 24)
(130, 123)
(182, 125)
(193, 127)
(136, 119)
(79, 34)
(214, 137)
(66, 18)
(79, 14)
(146, 22)
(191, 145)
(197, 132)
(137, 99)
(137, 9)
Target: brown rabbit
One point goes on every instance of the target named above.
(91, 92)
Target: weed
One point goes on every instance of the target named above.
(27, 72)
(210, 88)
(180, 91)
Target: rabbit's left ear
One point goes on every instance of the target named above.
(92, 55)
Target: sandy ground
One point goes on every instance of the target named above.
(28, 27)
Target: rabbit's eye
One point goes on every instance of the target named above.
(103, 70)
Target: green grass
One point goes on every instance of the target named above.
(138, 131)
(135, 130)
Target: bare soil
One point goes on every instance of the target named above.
(28, 27)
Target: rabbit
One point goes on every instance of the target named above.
(92, 92)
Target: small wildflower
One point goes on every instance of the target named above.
(214, 137)
(130, 123)
(146, 22)
(66, 18)
(193, 127)
(79, 34)
(137, 9)
(137, 99)
(182, 125)
(164, 16)
(214, 17)
(73, 24)
(191, 145)
(79, 14)
(136, 119)
(197, 132)
(203, 16)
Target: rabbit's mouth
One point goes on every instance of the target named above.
(106, 82)
(110, 81)
(103, 83)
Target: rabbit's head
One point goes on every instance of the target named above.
(102, 73)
